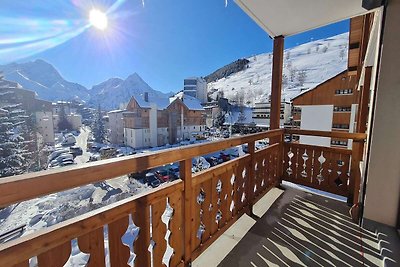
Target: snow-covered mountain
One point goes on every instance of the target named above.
(115, 91)
(305, 66)
(41, 77)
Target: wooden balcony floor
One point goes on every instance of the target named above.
(304, 229)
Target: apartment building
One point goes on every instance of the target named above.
(262, 112)
(146, 123)
(196, 87)
(330, 106)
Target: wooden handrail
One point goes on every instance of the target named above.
(344, 135)
(28, 186)
(53, 236)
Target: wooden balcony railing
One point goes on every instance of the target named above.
(201, 206)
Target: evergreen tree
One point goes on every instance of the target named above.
(14, 141)
(99, 131)
(63, 123)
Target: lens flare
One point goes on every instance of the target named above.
(98, 19)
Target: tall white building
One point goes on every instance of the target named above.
(116, 126)
(262, 113)
(196, 87)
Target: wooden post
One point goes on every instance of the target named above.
(355, 175)
(364, 100)
(185, 173)
(276, 85)
(252, 173)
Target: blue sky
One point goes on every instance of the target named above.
(164, 41)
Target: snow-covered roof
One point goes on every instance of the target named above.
(161, 103)
(290, 17)
(116, 111)
(190, 102)
(308, 90)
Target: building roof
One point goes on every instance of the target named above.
(309, 90)
(290, 17)
(116, 111)
(190, 102)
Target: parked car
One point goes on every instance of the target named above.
(57, 153)
(213, 161)
(94, 157)
(173, 172)
(152, 180)
(66, 162)
(76, 150)
(162, 175)
(65, 156)
(69, 140)
(224, 157)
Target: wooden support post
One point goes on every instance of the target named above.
(185, 173)
(251, 177)
(364, 100)
(276, 85)
(355, 175)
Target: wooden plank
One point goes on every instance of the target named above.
(159, 230)
(355, 175)
(119, 253)
(209, 189)
(250, 179)
(55, 257)
(30, 185)
(333, 149)
(185, 169)
(45, 239)
(22, 264)
(141, 218)
(92, 243)
(177, 225)
(343, 135)
(276, 82)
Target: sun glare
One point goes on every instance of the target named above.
(98, 19)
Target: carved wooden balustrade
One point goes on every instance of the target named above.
(174, 223)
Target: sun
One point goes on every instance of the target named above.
(98, 19)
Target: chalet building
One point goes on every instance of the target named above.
(151, 124)
(330, 106)
(262, 113)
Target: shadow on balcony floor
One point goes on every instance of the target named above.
(304, 229)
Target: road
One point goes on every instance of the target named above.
(81, 141)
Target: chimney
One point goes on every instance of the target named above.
(146, 96)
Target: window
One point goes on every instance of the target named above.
(343, 91)
(340, 126)
(338, 143)
(341, 109)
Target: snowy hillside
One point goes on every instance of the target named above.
(305, 66)
(45, 80)
(111, 93)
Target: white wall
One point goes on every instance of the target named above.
(316, 117)
(383, 180)
(116, 125)
(45, 126)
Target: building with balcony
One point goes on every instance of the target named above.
(262, 113)
(253, 210)
(148, 123)
(196, 87)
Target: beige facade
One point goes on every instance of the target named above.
(44, 125)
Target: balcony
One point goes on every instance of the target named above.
(178, 221)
